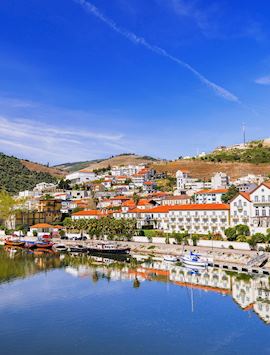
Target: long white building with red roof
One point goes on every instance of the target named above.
(195, 218)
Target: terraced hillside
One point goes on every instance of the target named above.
(204, 170)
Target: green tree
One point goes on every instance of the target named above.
(230, 233)
(7, 204)
(136, 198)
(64, 184)
(232, 192)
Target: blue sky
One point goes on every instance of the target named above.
(82, 80)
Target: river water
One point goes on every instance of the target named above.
(84, 305)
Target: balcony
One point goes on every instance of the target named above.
(261, 203)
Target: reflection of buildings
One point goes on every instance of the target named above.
(249, 292)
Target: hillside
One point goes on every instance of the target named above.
(43, 168)
(204, 170)
(255, 152)
(122, 159)
(15, 176)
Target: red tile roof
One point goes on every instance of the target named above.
(41, 226)
(89, 213)
(200, 206)
(179, 197)
(217, 191)
(246, 195)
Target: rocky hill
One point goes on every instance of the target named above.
(122, 159)
(203, 170)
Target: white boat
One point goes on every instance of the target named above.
(194, 260)
(170, 258)
(61, 248)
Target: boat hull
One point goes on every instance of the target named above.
(14, 244)
(44, 245)
(194, 263)
(118, 251)
(77, 250)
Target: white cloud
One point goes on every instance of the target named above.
(24, 133)
(132, 37)
(264, 80)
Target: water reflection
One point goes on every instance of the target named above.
(250, 292)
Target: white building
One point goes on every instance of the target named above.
(176, 200)
(250, 179)
(197, 218)
(77, 194)
(29, 194)
(182, 178)
(210, 196)
(81, 177)
(127, 170)
(186, 184)
(45, 186)
(193, 218)
(220, 181)
(138, 180)
(88, 214)
(252, 209)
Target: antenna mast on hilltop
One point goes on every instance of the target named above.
(244, 132)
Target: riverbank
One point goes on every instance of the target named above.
(231, 259)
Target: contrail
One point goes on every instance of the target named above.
(132, 37)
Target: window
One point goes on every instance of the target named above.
(263, 198)
(256, 199)
(257, 212)
(264, 213)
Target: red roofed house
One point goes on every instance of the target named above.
(149, 186)
(89, 214)
(252, 209)
(176, 200)
(210, 196)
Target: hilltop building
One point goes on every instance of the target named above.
(81, 177)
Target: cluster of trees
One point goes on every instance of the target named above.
(228, 196)
(15, 177)
(7, 204)
(110, 227)
(255, 153)
(241, 233)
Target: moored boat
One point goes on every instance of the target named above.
(44, 245)
(194, 259)
(79, 248)
(42, 251)
(14, 242)
(60, 248)
(170, 258)
(108, 248)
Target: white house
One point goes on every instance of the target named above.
(210, 196)
(88, 214)
(182, 178)
(252, 209)
(220, 181)
(127, 170)
(184, 183)
(80, 177)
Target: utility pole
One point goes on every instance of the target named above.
(244, 132)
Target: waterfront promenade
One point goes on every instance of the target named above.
(231, 259)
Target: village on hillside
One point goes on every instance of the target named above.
(158, 203)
